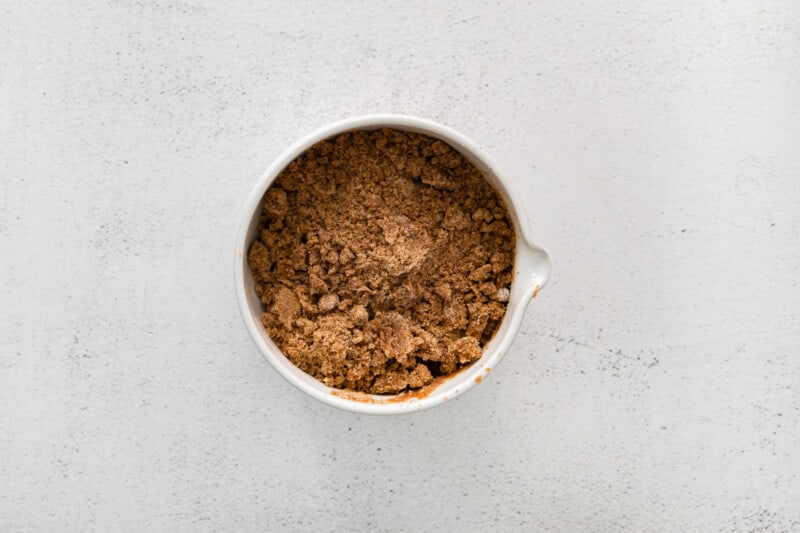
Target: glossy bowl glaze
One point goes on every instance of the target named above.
(531, 272)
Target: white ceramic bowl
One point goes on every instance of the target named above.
(531, 271)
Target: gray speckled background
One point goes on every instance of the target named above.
(655, 384)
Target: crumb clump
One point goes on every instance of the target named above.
(384, 260)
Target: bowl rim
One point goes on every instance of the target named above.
(531, 264)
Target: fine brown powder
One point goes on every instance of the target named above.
(384, 260)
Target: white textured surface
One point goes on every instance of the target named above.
(656, 384)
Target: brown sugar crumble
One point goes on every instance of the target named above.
(384, 260)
